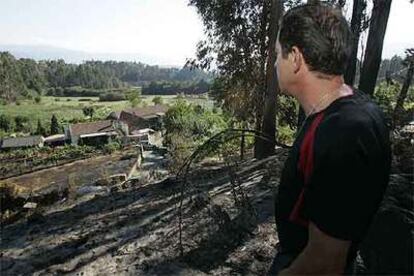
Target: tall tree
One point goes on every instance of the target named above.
(11, 81)
(358, 24)
(409, 62)
(372, 60)
(237, 42)
(54, 125)
(40, 130)
(32, 74)
(267, 147)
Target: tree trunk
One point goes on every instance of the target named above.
(258, 97)
(356, 24)
(403, 95)
(258, 142)
(267, 147)
(242, 145)
(372, 60)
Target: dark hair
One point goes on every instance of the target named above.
(321, 33)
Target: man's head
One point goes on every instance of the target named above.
(313, 39)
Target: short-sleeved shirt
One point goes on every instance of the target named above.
(336, 174)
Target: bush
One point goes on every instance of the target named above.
(77, 91)
(385, 96)
(200, 123)
(285, 135)
(59, 92)
(88, 111)
(111, 147)
(180, 147)
(287, 111)
(188, 126)
(134, 97)
(135, 102)
(22, 123)
(38, 99)
(112, 97)
(157, 100)
(6, 123)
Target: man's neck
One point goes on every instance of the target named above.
(316, 93)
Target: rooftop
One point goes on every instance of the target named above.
(93, 127)
(17, 142)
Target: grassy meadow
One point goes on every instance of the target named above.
(67, 109)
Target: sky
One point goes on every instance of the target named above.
(166, 29)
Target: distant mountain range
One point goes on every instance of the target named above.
(44, 52)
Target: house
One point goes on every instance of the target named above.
(56, 140)
(146, 137)
(95, 133)
(143, 117)
(22, 142)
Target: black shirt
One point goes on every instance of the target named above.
(335, 175)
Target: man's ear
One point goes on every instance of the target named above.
(297, 59)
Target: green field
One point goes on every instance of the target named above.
(65, 108)
(69, 108)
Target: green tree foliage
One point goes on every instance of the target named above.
(32, 74)
(40, 130)
(187, 126)
(38, 99)
(111, 147)
(6, 123)
(157, 100)
(236, 43)
(391, 70)
(54, 125)
(240, 37)
(193, 121)
(21, 123)
(25, 77)
(174, 87)
(385, 96)
(11, 82)
(88, 111)
(112, 97)
(134, 97)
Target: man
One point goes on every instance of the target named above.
(337, 171)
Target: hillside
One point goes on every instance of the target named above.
(227, 228)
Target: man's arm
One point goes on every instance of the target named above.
(322, 255)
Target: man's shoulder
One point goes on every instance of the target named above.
(353, 113)
(353, 122)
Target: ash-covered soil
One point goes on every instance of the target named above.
(228, 227)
